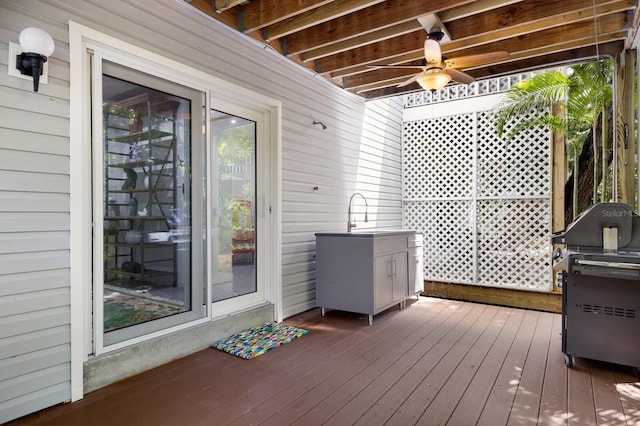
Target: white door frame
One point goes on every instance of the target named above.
(80, 38)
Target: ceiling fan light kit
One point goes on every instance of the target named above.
(438, 71)
(432, 52)
(433, 79)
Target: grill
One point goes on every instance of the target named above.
(599, 270)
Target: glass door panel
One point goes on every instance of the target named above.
(148, 201)
(233, 218)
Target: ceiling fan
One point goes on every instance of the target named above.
(437, 70)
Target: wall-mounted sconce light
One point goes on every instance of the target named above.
(36, 46)
(320, 123)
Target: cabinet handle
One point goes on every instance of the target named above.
(393, 268)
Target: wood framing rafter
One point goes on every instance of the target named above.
(222, 5)
(340, 38)
(512, 39)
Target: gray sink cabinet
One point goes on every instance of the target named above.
(367, 272)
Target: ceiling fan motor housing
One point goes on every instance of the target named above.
(435, 34)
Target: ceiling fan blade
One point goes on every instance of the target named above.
(411, 80)
(416, 67)
(473, 60)
(459, 76)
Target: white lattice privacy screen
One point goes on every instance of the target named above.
(484, 208)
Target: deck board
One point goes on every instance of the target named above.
(300, 396)
(435, 362)
(526, 404)
(448, 397)
(423, 395)
(498, 406)
(471, 404)
(553, 401)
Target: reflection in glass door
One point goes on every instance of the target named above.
(147, 198)
(233, 221)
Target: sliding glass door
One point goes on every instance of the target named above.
(148, 153)
(235, 230)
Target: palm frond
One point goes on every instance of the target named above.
(537, 93)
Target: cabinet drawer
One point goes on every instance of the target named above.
(389, 245)
(415, 240)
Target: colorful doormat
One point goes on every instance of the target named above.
(258, 340)
(122, 310)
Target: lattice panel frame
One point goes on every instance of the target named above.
(513, 243)
(484, 208)
(449, 254)
(520, 169)
(430, 144)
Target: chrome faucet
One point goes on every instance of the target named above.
(366, 212)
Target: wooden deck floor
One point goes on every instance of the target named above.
(435, 362)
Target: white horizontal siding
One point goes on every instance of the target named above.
(359, 150)
(367, 161)
(34, 226)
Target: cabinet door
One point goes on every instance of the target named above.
(383, 283)
(399, 275)
(416, 281)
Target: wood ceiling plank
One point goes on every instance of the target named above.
(396, 75)
(474, 8)
(383, 15)
(560, 47)
(538, 62)
(528, 14)
(362, 40)
(384, 75)
(407, 48)
(261, 13)
(607, 24)
(402, 28)
(565, 57)
(554, 20)
(320, 15)
(347, 81)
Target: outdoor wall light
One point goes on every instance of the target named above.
(36, 46)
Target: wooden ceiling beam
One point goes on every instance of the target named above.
(362, 40)
(547, 61)
(409, 47)
(383, 75)
(327, 12)
(222, 5)
(564, 46)
(469, 9)
(261, 13)
(400, 29)
(565, 57)
(374, 18)
(368, 80)
(531, 15)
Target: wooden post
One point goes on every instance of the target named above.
(625, 143)
(559, 178)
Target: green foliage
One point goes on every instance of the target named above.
(235, 145)
(537, 93)
(581, 94)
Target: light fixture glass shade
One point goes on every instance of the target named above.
(432, 51)
(433, 80)
(35, 40)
